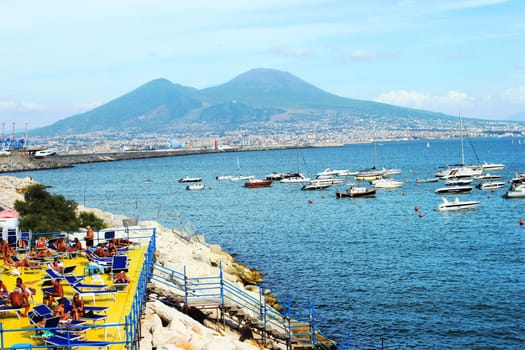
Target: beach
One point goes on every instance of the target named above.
(164, 327)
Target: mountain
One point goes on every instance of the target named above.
(257, 96)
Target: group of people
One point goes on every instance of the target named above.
(19, 297)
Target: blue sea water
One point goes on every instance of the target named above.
(379, 272)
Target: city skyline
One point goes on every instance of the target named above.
(467, 56)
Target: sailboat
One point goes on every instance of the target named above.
(460, 170)
(372, 173)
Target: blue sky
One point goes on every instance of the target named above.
(62, 57)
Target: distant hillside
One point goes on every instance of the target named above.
(254, 96)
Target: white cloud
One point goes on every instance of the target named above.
(455, 102)
(362, 55)
(21, 106)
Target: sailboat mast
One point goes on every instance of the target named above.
(461, 134)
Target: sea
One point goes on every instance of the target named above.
(388, 272)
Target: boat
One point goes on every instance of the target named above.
(327, 180)
(298, 178)
(454, 189)
(356, 191)
(313, 186)
(391, 171)
(147, 181)
(223, 177)
(456, 205)
(492, 166)
(490, 185)
(459, 181)
(190, 179)
(242, 178)
(387, 183)
(368, 175)
(195, 186)
(255, 183)
(329, 172)
(429, 179)
(517, 190)
(488, 176)
(44, 153)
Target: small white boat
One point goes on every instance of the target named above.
(490, 185)
(195, 187)
(492, 166)
(430, 179)
(488, 176)
(326, 180)
(456, 205)
(242, 178)
(312, 186)
(458, 182)
(190, 179)
(300, 178)
(387, 183)
(391, 171)
(223, 177)
(356, 191)
(454, 189)
(329, 172)
(517, 190)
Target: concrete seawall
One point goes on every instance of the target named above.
(23, 161)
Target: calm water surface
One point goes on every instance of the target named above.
(375, 270)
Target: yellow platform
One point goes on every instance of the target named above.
(15, 330)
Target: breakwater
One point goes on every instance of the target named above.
(22, 160)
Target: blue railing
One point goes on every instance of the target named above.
(132, 320)
(215, 291)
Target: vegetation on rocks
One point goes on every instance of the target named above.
(41, 211)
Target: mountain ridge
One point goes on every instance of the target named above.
(256, 96)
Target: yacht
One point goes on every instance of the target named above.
(456, 205)
(454, 189)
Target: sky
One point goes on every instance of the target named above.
(59, 58)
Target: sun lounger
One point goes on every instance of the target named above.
(119, 263)
(73, 343)
(4, 309)
(95, 293)
(77, 283)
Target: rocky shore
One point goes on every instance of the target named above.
(165, 327)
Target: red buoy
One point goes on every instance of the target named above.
(310, 201)
(420, 215)
(416, 208)
(521, 222)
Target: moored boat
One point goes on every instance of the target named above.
(254, 183)
(490, 185)
(517, 190)
(387, 183)
(430, 179)
(195, 187)
(298, 178)
(454, 189)
(456, 205)
(312, 186)
(356, 191)
(190, 179)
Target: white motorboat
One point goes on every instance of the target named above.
(391, 171)
(490, 185)
(492, 166)
(242, 178)
(430, 179)
(458, 181)
(195, 187)
(488, 176)
(517, 190)
(454, 189)
(190, 179)
(387, 183)
(223, 177)
(326, 180)
(312, 186)
(456, 205)
(299, 178)
(333, 172)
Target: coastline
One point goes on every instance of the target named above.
(165, 327)
(21, 160)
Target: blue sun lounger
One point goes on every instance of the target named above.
(7, 308)
(75, 281)
(73, 343)
(93, 293)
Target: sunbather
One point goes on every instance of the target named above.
(56, 292)
(4, 292)
(76, 246)
(21, 244)
(77, 307)
(41, 243)
(15, 261)
(57, 265)
(121, 277)
(60, 310)
(17, 299)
